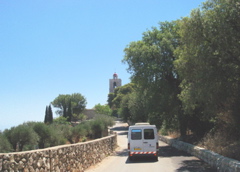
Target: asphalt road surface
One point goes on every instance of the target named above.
(169, 159)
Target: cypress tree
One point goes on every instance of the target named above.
(50, 115)
(46, 115)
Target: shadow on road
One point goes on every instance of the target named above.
(122, 133)
(122, 153)
(122, 128)
(196, 166)
(141, 160)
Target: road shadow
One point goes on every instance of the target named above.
(195, 166)
(122, 133)
(122, 153)
(168, 151)
(138, 160)
(121, 128)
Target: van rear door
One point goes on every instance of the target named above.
(149, 140)
(136, 140)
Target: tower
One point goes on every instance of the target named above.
(114, 83)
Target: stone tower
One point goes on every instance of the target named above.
(114, 83)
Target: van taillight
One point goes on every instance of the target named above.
(128, 145)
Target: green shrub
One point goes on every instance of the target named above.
(56, 135)
(21, 136)
(5, 145)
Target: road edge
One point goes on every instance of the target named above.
(217, 161)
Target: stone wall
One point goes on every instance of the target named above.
(72, 158)
(215, 160)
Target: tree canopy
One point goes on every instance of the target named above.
(150, 62)
(69, 104)
(103, 109)
(209, 60)
(187, 72)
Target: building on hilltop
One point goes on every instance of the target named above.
(114, 83)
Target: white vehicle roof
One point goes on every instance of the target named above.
(142, 123)
(142, 126)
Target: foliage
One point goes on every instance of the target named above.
(56, 135)
(5, 145)
(69, 104)
(78, 132)
(115, 99)
(77, 117)
(99, 124)
(187, 72)
(34, 135)
(21, 136)
(137, 107)
(43, 132)
(103, 109)
(48, 115)
(124, 111)
(61, 120)
(209, 63)
(150, 61)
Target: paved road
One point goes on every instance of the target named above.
(169, 160)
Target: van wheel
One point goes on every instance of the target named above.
(156, 158)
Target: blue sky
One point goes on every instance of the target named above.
(52, 47)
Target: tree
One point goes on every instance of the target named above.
(48, 115)
(114, 99)
(124, 111)
(78, 132)
(103, 109)
(69, 111)
(21, 136)
(69, 104)
(150, 62)
(57, 135)
(5, 145)
(209, 64)
(61, 120)
(137, 107)
(100, 124)
(43, 132)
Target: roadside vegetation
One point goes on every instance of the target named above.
(38, 135)
(69, 127)
(185, 78)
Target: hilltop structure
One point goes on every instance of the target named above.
(114, 83)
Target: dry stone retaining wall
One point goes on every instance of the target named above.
(215, 160)
(72, 158)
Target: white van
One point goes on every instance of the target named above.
(142, 140)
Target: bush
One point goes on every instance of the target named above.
(99, 124)
(222, 142)
(5, 145)
(32, 135)
(21, 136)
(56, 135)
(61, 120)
(78, 132)
(43, 132)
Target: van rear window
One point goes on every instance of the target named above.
(148, 134)
(136, 134)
